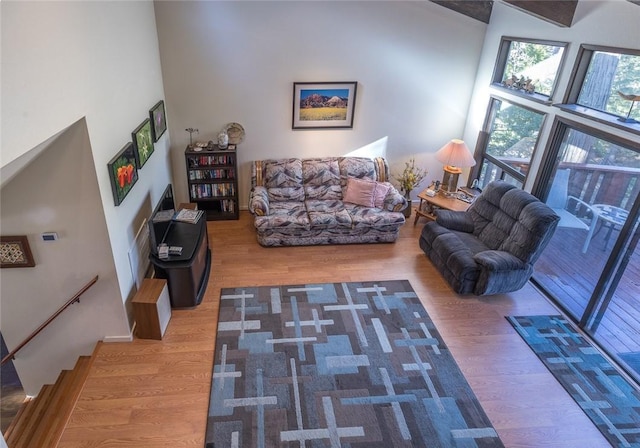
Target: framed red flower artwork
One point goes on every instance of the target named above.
(123, 173)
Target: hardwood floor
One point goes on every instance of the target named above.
(155, 393)
(572, 276)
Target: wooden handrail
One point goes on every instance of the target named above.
(75, 298)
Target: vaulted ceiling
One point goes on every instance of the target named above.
(558, 12)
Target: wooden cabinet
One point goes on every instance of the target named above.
(187, 274)
(212, 177)
(152, 309)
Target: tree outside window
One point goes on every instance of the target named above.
(511, 136)
(609, 73)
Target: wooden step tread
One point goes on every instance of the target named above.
(42, 420)
(28, 402)
(32, 415)
(71, 394)
(55, 410)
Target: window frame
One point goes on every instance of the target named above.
(501, 65)
(576, 81)
(484, 135)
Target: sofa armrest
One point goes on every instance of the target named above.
(259, 201)
(454, 220)
(394, 201)
(500, 272)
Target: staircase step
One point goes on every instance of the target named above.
(19, 418)
(55, 409)
(60, 412)
(32, 417)
(41, 422)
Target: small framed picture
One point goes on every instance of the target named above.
(328, 105)
(15, 252)
(231, 147)
(142, 143)
(158, 120)
(123, 173)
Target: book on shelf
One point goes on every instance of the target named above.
(202, 191)
(188, 215)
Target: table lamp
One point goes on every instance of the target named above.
(454, 155)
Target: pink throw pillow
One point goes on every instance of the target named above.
(382, 188)
(365, 192)
(360, 192)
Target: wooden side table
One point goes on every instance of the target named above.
(429, 204)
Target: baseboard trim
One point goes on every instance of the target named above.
(129, 338)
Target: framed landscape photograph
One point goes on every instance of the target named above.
(15, 252)
(142, 143)
(327, 105)
(123, 173)
(158, 120)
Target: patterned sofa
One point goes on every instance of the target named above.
(306, 201)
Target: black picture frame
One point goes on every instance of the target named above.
(142, 143)
(158, 118)
(324, 105)
(123, 173)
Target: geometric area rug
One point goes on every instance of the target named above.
(337, 365)
(632, 360)
(610, 401)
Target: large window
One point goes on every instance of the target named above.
(589, 176)
(529, 67)
(509, 138)
(606, 83)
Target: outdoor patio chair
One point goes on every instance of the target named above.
(564, 204)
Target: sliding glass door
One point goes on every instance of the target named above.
(592, 265)
(615, 315)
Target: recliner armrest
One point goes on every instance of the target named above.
(259, 201)
(454, 220)
(499, 260)
(500, 271)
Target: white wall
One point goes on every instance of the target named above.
(63, 61)
(608, 23)
(57, 192)
(415, 64)
(86, 73)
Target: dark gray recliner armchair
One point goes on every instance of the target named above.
(490, 248)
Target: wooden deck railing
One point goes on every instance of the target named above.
(594, 184)
(75, 298)
(604, 184)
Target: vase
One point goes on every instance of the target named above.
(223, 140)
(407, 211)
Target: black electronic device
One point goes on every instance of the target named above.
(160, 219)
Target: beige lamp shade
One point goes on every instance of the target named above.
(454, 155)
